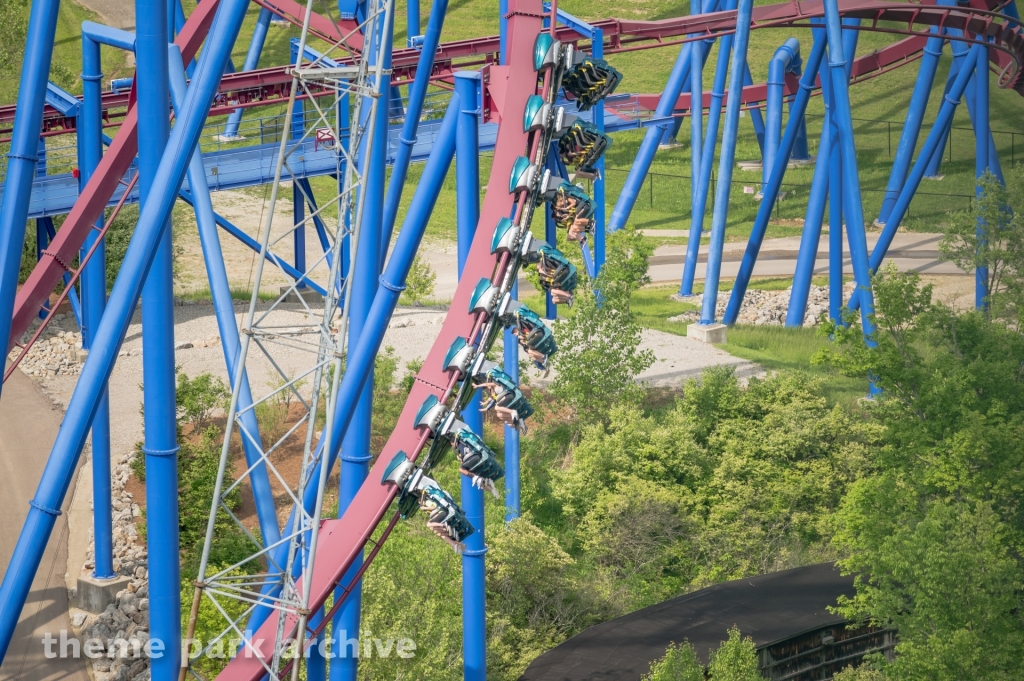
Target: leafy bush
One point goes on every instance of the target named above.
(680, 663)
(735, 659)
(198, 397)
(419, 284)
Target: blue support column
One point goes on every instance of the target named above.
(502, 30)
(299, 231)
(467, 168)
(355, 456)
(67, 448)
(778, 173)
(407, 138)
(703, 181)
(785, 60)
(725, 167)
(696, 106)
(94, 299)
(935, 136)
(914, 119)
(653, 137)
(755, 113)
(600, 221)
(21, 163)
(811, 235)
(851, 197)
(513, 475)
(835, 227)
(252, 60)
(981, 164)
(412, 21)
(161, 442)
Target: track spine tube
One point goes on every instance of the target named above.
(94, 298)
(356, 457)
(652, 138)
(720, 214)
(114, 324)
(757, 232)
(22, 158)
(224, 310)
(467, 192)
(413, 111)
(914, 118)
(935, 136)
(707, 159)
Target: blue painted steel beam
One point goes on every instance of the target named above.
(224, 310)
(645, 155)
(21, 163)
(811, 235)
(252, 60)
(982, 134)
(914, 119)
(950, 101)
(94, 299)
(160, 445)
(356, 457)
(853, 210)
(702, 180)
(254, 245)
(61, 100)
(835, 226)
(153, 218)
(251, 166)
(474, 591)
(410, 127)
(780, 163)
(721, 206)
(785, 60)
(696, 105)
(107, 35)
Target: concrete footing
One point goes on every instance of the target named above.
(94, 595)
(309, 295)
(707, 333)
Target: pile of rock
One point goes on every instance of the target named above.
(123, 628)
(768, 307)
(56, 352)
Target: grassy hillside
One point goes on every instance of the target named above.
(879, 105)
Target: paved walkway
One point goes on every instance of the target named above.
(28, 427)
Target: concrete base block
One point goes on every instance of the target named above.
(309, 295)
(94, 595)
(707, 333)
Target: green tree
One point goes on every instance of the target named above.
(680, 663)
(735, 659)
(934, 530)
(998, 246)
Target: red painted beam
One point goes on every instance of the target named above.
(94, 197)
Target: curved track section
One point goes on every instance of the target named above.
(341, 540)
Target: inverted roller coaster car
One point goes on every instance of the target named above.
(503, 394)
(590, 81)
(573, 210)
(533, 334)
(583, 145)
(557, 274)
(445, 517)
(475, 458)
